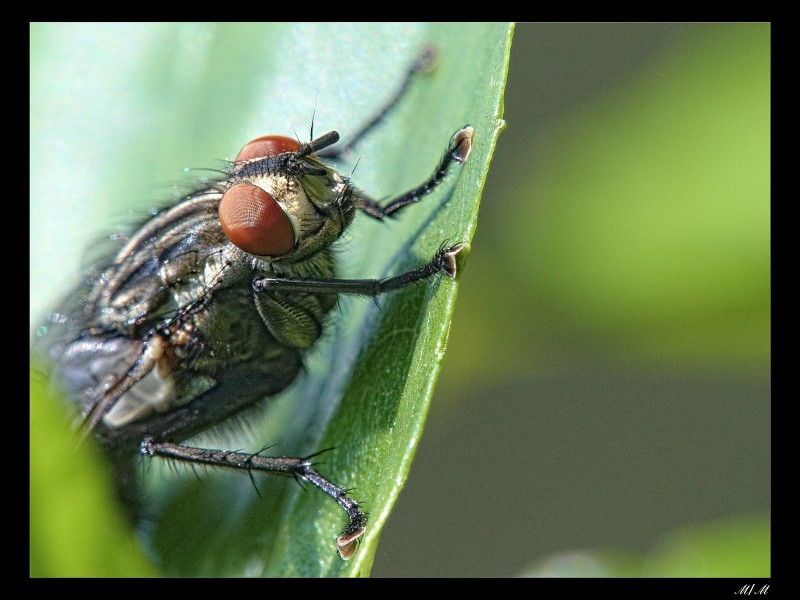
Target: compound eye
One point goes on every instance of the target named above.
(268, 145)
(255, 222)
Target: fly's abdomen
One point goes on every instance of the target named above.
(174, 381)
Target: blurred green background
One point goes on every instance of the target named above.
(604, 408)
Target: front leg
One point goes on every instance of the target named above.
(423, 64)
(444, 262)
(457, 152)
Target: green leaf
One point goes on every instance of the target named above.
(117, 110)
(75, 530)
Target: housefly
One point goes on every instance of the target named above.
(210, 305)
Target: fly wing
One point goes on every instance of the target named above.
(88, 368)
(177, 251)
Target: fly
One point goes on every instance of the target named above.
(210, 305)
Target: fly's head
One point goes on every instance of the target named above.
(281, 203)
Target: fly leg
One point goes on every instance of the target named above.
(300, 468)
(457, 152)
(422, 64)
(444, 262)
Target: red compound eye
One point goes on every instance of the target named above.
(255, 222)
(268, 145)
